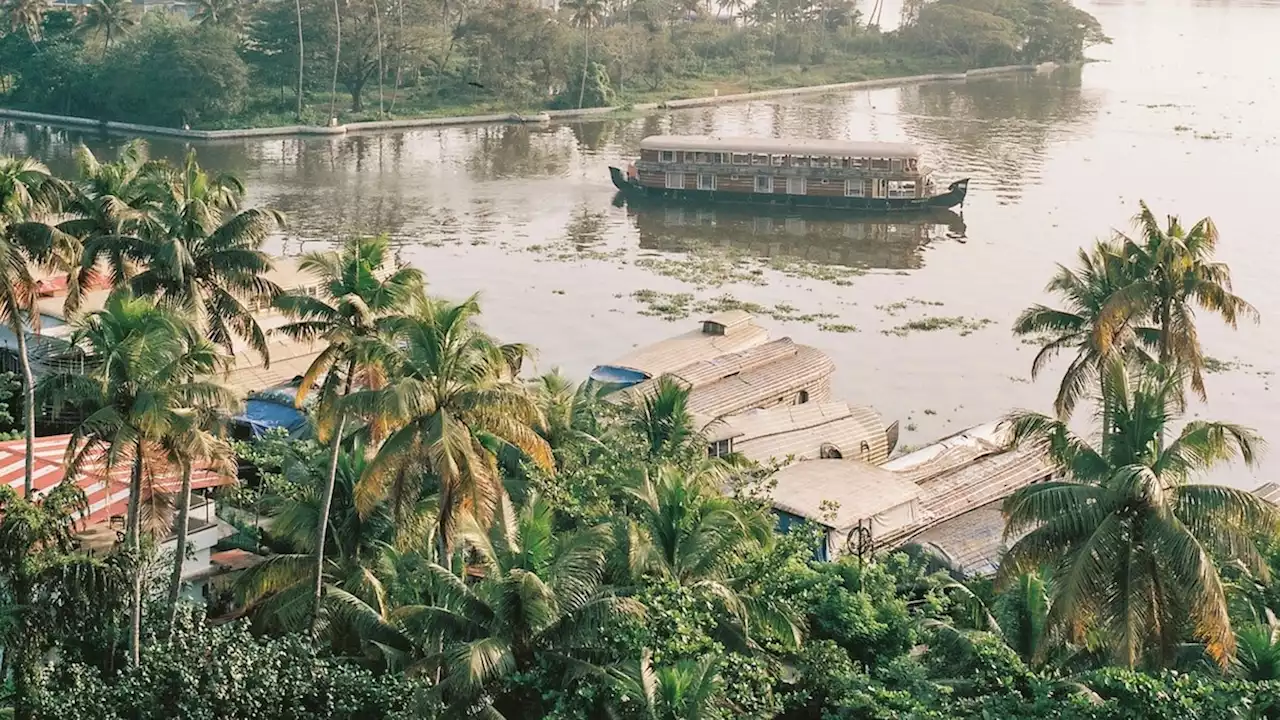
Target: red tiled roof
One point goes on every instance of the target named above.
(107, 490)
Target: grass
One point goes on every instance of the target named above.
(902, 305)
(965, 326)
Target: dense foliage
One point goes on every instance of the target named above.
(279, 61)
(461, 540)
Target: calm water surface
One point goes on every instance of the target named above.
(1181, 112)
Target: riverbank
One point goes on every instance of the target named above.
(121, 128)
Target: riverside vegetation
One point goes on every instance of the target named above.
(239, 63)
(460, 540)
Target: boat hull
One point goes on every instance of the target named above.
(953, 197)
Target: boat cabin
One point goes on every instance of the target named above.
(807, 167)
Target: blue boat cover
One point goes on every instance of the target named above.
(621, 377)
(262, 415)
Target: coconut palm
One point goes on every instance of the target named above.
(540, 598)
(108, 19)
(683, 529)
(1133, 545)
(688, 690)
(26, 16)
(111, 207)
(360, 294)
(220, 13)
(53, 587)
(27, 191)
(149, 369)
(206, 257)
(454, 403)
(585, 14)
(570, 411)
(355, 607)
(663, 421)
(1086, 290)
(1258, 650)
(1174, 273)
(194, 440)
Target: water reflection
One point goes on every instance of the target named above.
(890, 242)
(997, 130)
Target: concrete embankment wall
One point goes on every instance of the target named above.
(120, 128)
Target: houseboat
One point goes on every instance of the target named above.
(860, 176)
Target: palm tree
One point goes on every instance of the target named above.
(735, 7)
(149, 370)
(219, 13)
(454, 403)
(682, 528)
(688, 690)
(51, 585)
(1174, 272)
(1086, 290)
(297, 9)
(360, 294)
(540, 597)
(108, 18)
(26, 16)
(663, 421)
(194, 440)
(1132, 545)
(356, 607)
(111, 207)
(206, 255)
(585, 14)
(27, 190)
(570, 412)
(1258, 650)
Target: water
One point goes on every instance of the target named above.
(1180, 112)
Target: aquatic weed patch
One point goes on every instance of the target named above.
(679, 306)
(903, 305)
(964, 325)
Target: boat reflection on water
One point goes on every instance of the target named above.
(883, 241)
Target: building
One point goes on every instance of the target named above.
(804, 432)
(845, 498)
(718, 334)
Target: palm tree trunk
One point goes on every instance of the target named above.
(377, 24)
(337, 54)
(326, 501)
(586, 64)
(1166, 319)
(297, 7)
(180, 547)
(133, 542)
(28, 410)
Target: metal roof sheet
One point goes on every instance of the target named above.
(860, 489)
(802, 431)
(780, 146)
(673, 353)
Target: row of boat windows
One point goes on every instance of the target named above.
(800, 186)
(817, 161)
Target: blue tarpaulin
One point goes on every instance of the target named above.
(262, 415)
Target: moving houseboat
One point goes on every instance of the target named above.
(868, 176)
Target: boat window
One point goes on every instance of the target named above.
(741, 159)
(913, 164)
(857, 163)
(803, 397)
(667, 156)
(706, 181)
(675, 180)
(800, 161)
(779, 160)
(829, 452)
(764, 183)
(902, 189)
(759, 159)
(896, 165)
(720, 448)
(821, 161)
(853, 188)
(879, 163)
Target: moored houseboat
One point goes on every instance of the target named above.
(863, 176)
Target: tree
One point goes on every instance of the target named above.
(1087, 289)
(193, 441)
(585, 14)
(355, 610)
(540, 598)
(200, 68)
(1174, 272)
(27, 191)
(1132, 545)
(220, 13)
(50, 585)
(149, 370)
(687, 690)
(108, 19)
(26, 16)
(205, 256)
(452, 403)
(662, 419)
(360, 294)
